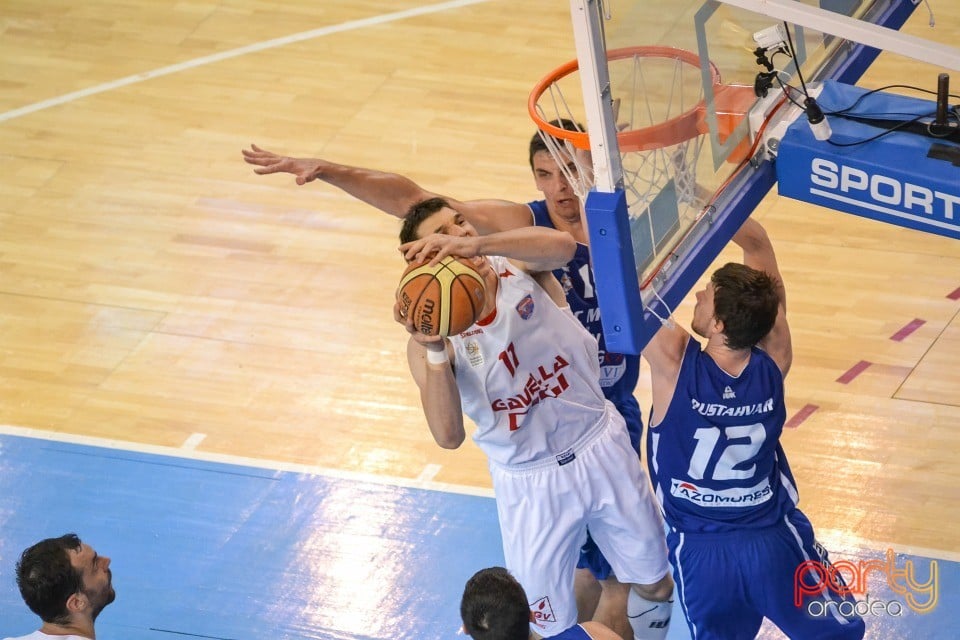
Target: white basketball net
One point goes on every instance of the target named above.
(646, 90)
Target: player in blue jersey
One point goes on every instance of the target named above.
(494, 607)
(619, 372)
(600, 596)
(736, 537)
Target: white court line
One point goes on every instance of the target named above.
(836, 540)
(257, 463)
(429, 472)
(233, 53)
(193, 441)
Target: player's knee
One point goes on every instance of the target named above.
(610, 584)
(659, 591)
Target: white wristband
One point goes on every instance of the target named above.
(438, 357)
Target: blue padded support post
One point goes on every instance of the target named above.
(611, 251)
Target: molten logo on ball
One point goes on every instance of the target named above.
(426, 322)
(443, 299)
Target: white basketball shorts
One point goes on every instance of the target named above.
(545, 508)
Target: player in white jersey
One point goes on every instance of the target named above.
(67, 584)
(560, 456)
(600, 596)
(503, 397)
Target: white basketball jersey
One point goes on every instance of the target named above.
(529, 378)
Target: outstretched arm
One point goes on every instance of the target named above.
(534, 248)
(389, 192)
(758, 253)
(392, 193)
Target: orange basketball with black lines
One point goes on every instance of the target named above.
(443, 299)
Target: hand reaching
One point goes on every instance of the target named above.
(438, 246)
(305, 169)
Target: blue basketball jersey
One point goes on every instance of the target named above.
(576, 632)
(618, 372)
(715, 459)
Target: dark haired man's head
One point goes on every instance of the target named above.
(46, 577)
(537, 143)
(553, 179)
(53, 571)
(745, 300)
(417, 214)
(494, 607)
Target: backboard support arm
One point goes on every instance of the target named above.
(587, 17)
(849, 28)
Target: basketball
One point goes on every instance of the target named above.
(444, 299)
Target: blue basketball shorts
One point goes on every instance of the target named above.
(727, 583)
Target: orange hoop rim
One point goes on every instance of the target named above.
(680, 128)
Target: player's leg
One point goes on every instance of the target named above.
(627, 526)
(710, 587)
(612, 608)
(823, 612)
(600, 596)
(586, 589)
(543, 528)
(649, 608)
(592, 567)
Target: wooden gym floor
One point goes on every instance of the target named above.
(154, 291)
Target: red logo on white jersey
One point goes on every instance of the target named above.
(543, 382)
(542, 612)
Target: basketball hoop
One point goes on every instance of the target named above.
(669, 131)
(660, 112)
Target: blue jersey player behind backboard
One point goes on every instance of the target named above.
(736, 536)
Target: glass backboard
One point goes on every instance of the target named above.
(670, 95)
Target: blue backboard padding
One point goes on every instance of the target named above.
(611, 251)
(202, 549)
(890, 179)
(627, 325)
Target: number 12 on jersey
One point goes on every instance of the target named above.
(725, 462)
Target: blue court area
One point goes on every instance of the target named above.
(211, 550)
